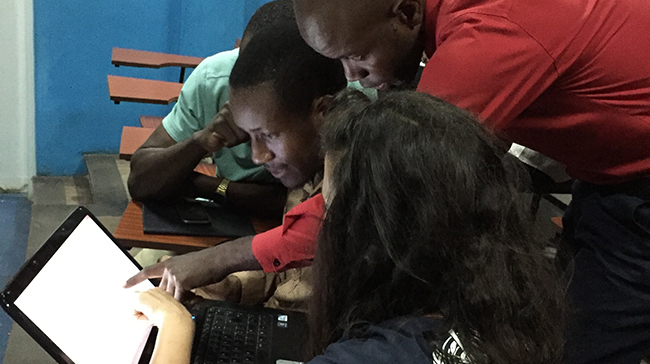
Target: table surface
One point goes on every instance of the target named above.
(138, 58)
(130, 233)
(132, 138)
(142, 90)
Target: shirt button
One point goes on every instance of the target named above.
(276, 262)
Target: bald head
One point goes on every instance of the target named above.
(357, 9)
(379, 42)
(337, 20)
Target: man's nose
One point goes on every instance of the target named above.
(352, 70)
(260, 153)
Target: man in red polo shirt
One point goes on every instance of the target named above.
(570, 79)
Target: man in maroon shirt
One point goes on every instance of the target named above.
(570, 79)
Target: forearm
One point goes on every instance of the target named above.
(261, 200)
(174, 341)
(235, 256)
(158, 172)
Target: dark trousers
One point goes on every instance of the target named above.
(607, 232)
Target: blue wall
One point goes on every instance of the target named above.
(73, 40)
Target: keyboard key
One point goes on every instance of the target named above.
(231, 336)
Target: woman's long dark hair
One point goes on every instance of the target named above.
(426, 218)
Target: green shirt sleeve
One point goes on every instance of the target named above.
(370, 92)
(202, 95)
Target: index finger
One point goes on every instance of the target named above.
(152, 271)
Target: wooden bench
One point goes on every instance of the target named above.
(132, 138)
(557, 223)
(138, 58)
(130, 234)
(142, 90)
(150, 121)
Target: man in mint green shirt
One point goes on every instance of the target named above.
(203, 95)
(163, 166)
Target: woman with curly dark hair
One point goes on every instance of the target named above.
(426, 246)
(426, 253)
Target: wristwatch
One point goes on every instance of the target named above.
(223, 188)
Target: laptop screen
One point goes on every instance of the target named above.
(78, 302)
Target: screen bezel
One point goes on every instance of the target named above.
(30, 269)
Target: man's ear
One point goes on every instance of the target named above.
(409, 12)
(320, 107)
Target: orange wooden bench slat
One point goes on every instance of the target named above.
(138, 58)
(132, 138)
(557, 222)
(208, 169)
(142, 90)
(152, 122)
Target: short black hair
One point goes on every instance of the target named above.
(267, 14)
(280, 57)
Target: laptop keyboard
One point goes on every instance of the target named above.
(230, 336)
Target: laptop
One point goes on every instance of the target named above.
(69, 298)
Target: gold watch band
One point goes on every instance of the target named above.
(223, 187)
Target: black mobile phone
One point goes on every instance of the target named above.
(193, 213)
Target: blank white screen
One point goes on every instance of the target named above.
(78, 301)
